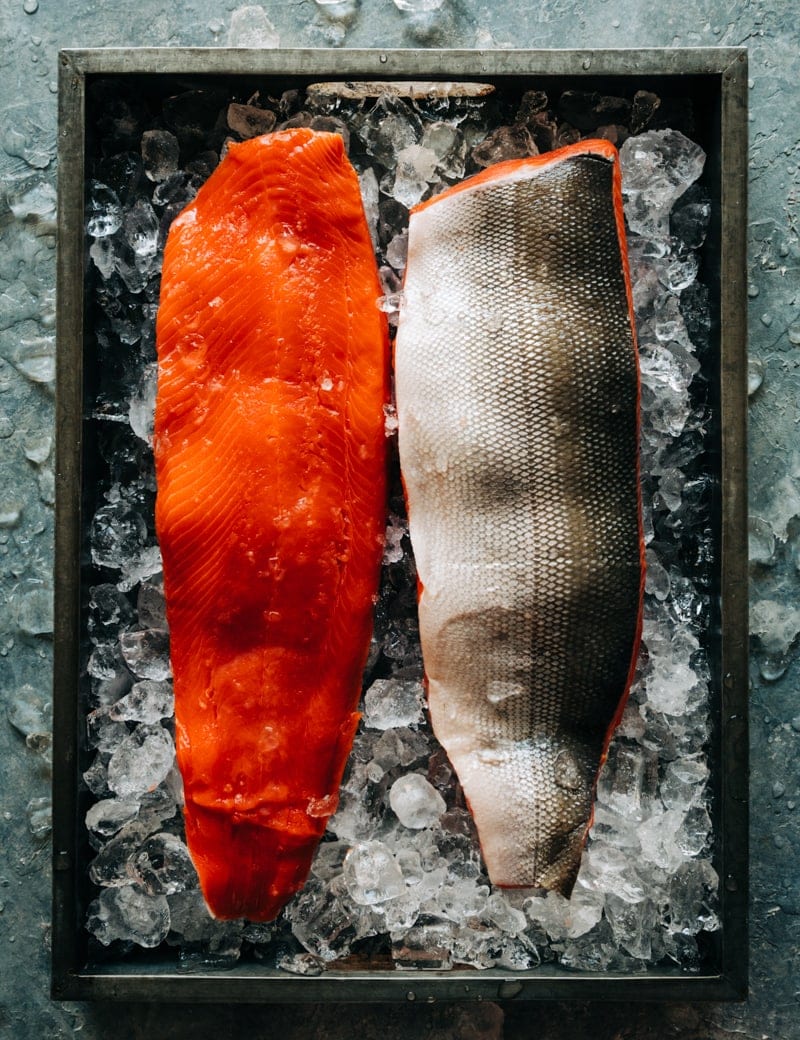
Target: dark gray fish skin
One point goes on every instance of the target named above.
(518, 406)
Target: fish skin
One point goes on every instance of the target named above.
(517, 391)
(271, 473)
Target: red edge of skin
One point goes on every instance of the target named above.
(596, 146)
(605, 150)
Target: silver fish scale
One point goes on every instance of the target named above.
(517, 396)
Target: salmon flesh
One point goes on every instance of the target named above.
(518, 405)
(271, 472)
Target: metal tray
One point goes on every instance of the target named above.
(716, 80)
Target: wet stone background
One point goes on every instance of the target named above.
(31, 32)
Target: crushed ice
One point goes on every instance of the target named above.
(400, 867)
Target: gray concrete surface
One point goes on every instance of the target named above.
(30, 35)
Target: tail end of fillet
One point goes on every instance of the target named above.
(247, 869)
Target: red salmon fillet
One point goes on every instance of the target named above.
(271, 470)
(518, 408)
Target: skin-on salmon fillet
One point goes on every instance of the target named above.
(271, 470)
(518, 405)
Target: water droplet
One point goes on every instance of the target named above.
(794, 335)
(9, 515)
(30, 6)
(491, 756)
(6, 427)
(761, 541)
(772, 667)
(566, 771)
(766, 319)
(755, 375)
(752, 291)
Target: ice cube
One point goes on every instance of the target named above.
(424, 946)
(141, 567)
(30, 710)
(104, 733)
(657, 168)
(694, 834)
(129, 915)
(628, 780)
(399, 747)
(103, 211)
(370, 194)
(414, 173)
(141, 761)
(163, 865)
(40, 816)
(32, 198)
(657, 577)
(415, 802)
(143, 402)
(371, 874)
(326, 921)
(585, 908)
(329, 859)
(189, 915)
(35, 359)
(550, 910)
(33, 608)
(507, 142)
(118, 532)
(250, 27)
(607, 868)
(146, 653)
(141, 225)
(390, 126)
(503, 916)
(148, 701)
(632, 924)
(684, 783)
(151, 605)
(644, 107)
(250, 121)
(658, 837)
(447, 143)
(160, 154)
(103, 255)
(96, 777)
(397, 250)
(690, 217)
(588, 110)
(776, 624)
(109, 815)
(756, 371)
(393, 703)
(691, 892)
(300, 963)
